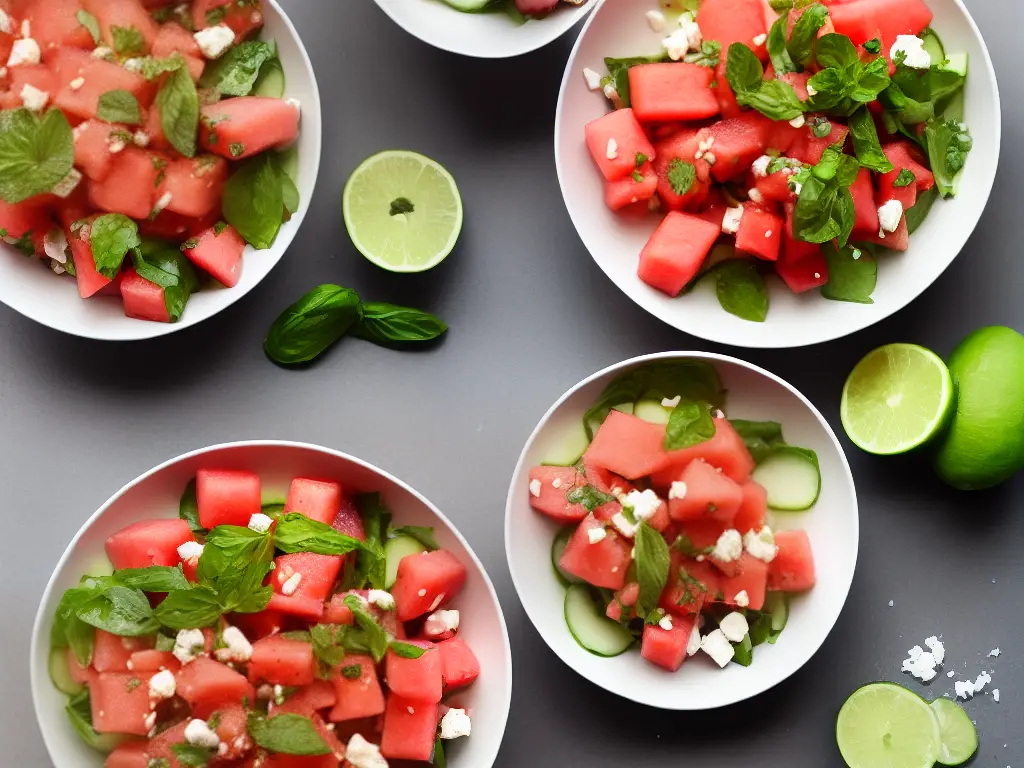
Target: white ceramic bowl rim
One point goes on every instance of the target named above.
(735, 695)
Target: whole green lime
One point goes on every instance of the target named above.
(985, 442)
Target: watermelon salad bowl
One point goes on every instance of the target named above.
(682, 530)
(777, 173)
(158, 158)
(270, 604)
(487, 29)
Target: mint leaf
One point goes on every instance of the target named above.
(287, 734)
(743, 652)
(178, 102)
(423, 534)
(188, 508)
(377, 638)
(805, 34)
(948, 143)
(371, 564)
(254, 200)
(36, 153)
(90, 22)
(873, 45)
(772, 98)
(849, 279)
(681, 176)
(128, 41)
(234, 563)
(689, 424)
(824, 210)
(777, 50)
(236, 72)
(837, 52)
(68, 631)
(905, 178)
(112, 235)
(195, 606)
(588, 496)
(618, 71)
(297, 533)
(866, 146)
(709, 54)
(352, 671)
(191, 756)
(313, 324)
(153, 68)
(120, 611)
(652, 564)
(155, 578)
(743, 70)
(845, 82)
(119, 107)
(389, 325)
(328, 642)
(406, 650)
(168, 267)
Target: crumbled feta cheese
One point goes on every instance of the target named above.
(5, 22)
(742, 599)
(26, 28)
(645, 504)
(676, 45)
(214, 41)
(32, 98)
(592, 78)
(671, 402)
(623, 526)
(994, 652)
(382, 599)
(441, 623)
(656, 20)
(596, 535)
(58, 267)
(535, 488)
(24, 51)
(163, 202)
(556, 483)
(889, 216)
(117, 144)
(102, 52)
(613, 149)
(913, 48)
(731, 220)
(188, 644)
(68, 184)
(140, 139)
(76, 84)
(260, 523)
(236, 647)
(693, 643)
(760, 166)
(995, 695)
(149, 720)
(951, 673)
(811, 90)
(761, 544)
(362, 754)
(133, 65)
(891, 603)
(734, 627)
(688, 23)
(761, 39)
(455, 724)
(710, 158)
(162, 685)
(422, 593)
(798, 122)
(55, 244)
(292, 584)
(755, 194)
(729, 546)
(677, 490)
(797, 188)
(717, 646)
(612, 94)
(437, 601)
(198, 733)
(920, 663)
(965, 689)
(665, 623)
(190, 551)
(937, 648)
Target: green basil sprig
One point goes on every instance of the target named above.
(388, 324)
(652, 566)
(824, 210)
(772, 98)
(36, 153)
(287, 734)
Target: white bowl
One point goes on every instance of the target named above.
(489, 35)
(618, 28)
(832, 525)
(157, 492)
(27, 287)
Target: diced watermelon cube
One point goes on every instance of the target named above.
(775, 187)
(257, 625)
(282, 661)
(682, 147)
(617, 133)
(195, 185)
(798, 80)
(734, 21)
(98, 77)
(710, 494)
(808, 272)
(674, 254)
(864, 203)
(112, 653)
(92, 147)
(690, 585)
(315, 696)
(153, 661)
(753, 508)
(727, 104)
(171, 38)
(418, 680)
(76, 671)
(807, 148)
(738, 142)
(667, 647)
(627, 191)
(904, 155)
(120, 703)
(243, 19)
(124, 14)
(760, 232)
(792, 570)
(220, 255)
(209, 685)
(314, 575)
(426, 582)
(148, 542)
(865, 19)
(550, 499)
(318, 500)
(90, 282)
(37, 75)
(410, 729)
(227, 496)
(129, 186)
(752, 578)
(232, 728)
(603, 564)
(54, 24)
(672, 91)
(726, 450)
(143, 300)
(130, 754)
(247, 125)
(459, 665)
(349, 521)
(623, 603)
(24, 219)
(358, 696)
(627, 445)
(894, 241)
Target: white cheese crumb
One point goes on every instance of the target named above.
(440, 623)
(613, 149)
(199, 734)
(117, 144)
(734, 627)
(755, 195)
(742, 599)
(26, 28)
(729, 546)
(761, 544)
(678, 490)
(995, 695)
(149, 720)
(951, 673)
(889, 216)
(994, 652)
(798, 122)
(163, 202)
(133, 65)
(535, 488)
(937, 648)
(55, 244)
(292, 584)
(656, 20)
(965, 689)
(768, 234)
(422, 593)
(260, 523)
(236, 648)
(596, 535)
(671, 402)
(68, 184)
(25, 51)
(693, 644)
(188, 644)
(437, 601)
(362, 754)
(913, 48)
(592, 78)
(760, 166)
(140, 139)
(645, 504)
(455, 724)
(102, 52)
(382, 599)
(214, 41)
(717, 646)
(920, 663)
(761, 39)
(623, 526)
(731, 220)
(665, 623)
(556, 483)
(612, 95)
(162, 686)
(811, 90)
(891, 603)
(76, 84)
(5, 22)
(33, 99)
(190, 551)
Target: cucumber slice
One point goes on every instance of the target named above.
(791, 477)
(776, 604)
(102, 567)
(270, 82)
(470, 6)
(567, 451)
(594, 631)
(557, 548)
(652, 411)
(59, 673)
(957, 62)
(394, 550)
(933, 44)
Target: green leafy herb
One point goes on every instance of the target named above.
(760, 437)
(681, 175)
(588, 496)
(36, 153)
(618, 71)
(310, 326)
(805, 34)
(689, 424)
(68, 630)
(352, 671)
(865, 142)
(234, 563)
(188, 508)
(777, 50)
(439, 760)
(685, 545)
(845, 82)
(652, 565)
(215, 16)
(297, 533)
(389, 324)
(287, 734)
(371, 563)
(874, 45)
(825, 208)
(289, 193)
(709, 54)
(236, 72)
(120, 611)
(641, 158)
(741, 290)
(168, 267)
(178, 102)
(406, 650)
(915, 216)
(377, 638)
(821, 127)
(918, 95)
(194, 606)
(154, 68)
(119, 107)
(772, 98)
(191, 756)
(423, 534)
(849, 279)
(79, 711)
(128, 41)
(254, 200)
(219, 227)
(90, 22)
(743, 652)
(112, 236)
(155, 578)
(236, 149)
(905, 178)
(948, 143)
(328, 645)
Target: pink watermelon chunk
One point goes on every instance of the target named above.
(674, 254)
(726, 450)
(792, 570)
(734, 21)
(865, 19)
(864, 204)
(426, 582)
(752, 578)
(753, 508)
(227, 496)
(219, 254)
(667, 647)
(710, 494)
(146, 543)
(614, 142)
(793, 250)
(690, 585)
(552, 484)
(143, 299)
(807, 148)
(90, 282)
(459, 665)
(318, 500)
(672, 91)
(682, 146)
(418, 680)
(632, 189)
(760, 232)
(627, 446)
(410, 729)
(603, 564)
(808, 272)
(738, 142)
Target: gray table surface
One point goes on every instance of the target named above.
(530, 316)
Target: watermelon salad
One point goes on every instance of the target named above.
(808, 140)
(667, 538)
(139, 144)
(310, 633)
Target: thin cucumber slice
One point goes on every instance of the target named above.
(933, 44)
(957, 62)
(470, 6)
(652, 411)
(791, 477)
(270, 82)
(394, 551)
(60, 674)
(557, 548)
(568, 450)
(594, 631)
(102, 567)
(956, 731)
(776, 604)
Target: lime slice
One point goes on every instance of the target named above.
(897, 398)
(402, 211)
(959, 739)
(883, 725)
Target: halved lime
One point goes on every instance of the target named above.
(883, 725)
(959, 739)
(897, 398)
(402, 210)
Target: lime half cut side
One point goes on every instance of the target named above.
(958, 736)
(896, 399)
(403, 211)
(883, 725)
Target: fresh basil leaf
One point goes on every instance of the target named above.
(112, 236)
(774, 99)
(297, 533)
(153, 68)
(874, 45)
(777, 50)
(845, 82)
(79, 711)
(741, 290)
(328, 642)
(760, 437)
(743, 652)
(915, 216)
(689, 424)
(805, 34)
(618, 71)
(119, 107)
(438, 758)
(128, 41)
(166, 266)
(849, 279)
(652, 564)
(681, 175)
(310, 326)
(389, 324)
(371, 563)
(254, 200)
(236, 72)
(120, 611)
(406, 650)
(188, 508)
(377, 637)
(588, 496)
(155, 578)
(743, 70)
(905, 178)
(423, 534)
(948, 143)
(90, 22)
(189, 608)
(36, 153)
(191, 756)
(178, 102)
(287, 734)
(69, 631)
(865, 142)
(835, 51)
(919, 95)
(234, 563)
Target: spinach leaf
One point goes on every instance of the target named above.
(916, 215)
(423, 534)
(297, 533)
(849, 278)
(36, 153)
(777, 50)
(120, 611)
(119, 107)
(772, 98)
(236, 72)
(389, 324)
(652, 565)
(805, 33)
(188, 608)
(741, 290)
(254, 200)
(188, 508)
(760, 437)
(689, 424)
(948, 143)
(865, 142)
(178, 102)
(618, 71)
(168, 267)
(310, 326)
(287, 734)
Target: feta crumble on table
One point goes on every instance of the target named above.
(677, 490)
(731, 220)
(734, 627)
(362, 754)
(912, 47)
(717, 646)
(994, 652)
(920, 663)
(597, 535)
(889, 216)
(214, 41)
(966, 689)
(236, 647)
(937, 648)
(761, 544)
(199, 734)
(455, 724)
(729, 546)
(592, 78)
(995, 695)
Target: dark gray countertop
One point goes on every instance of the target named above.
(530, 315)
